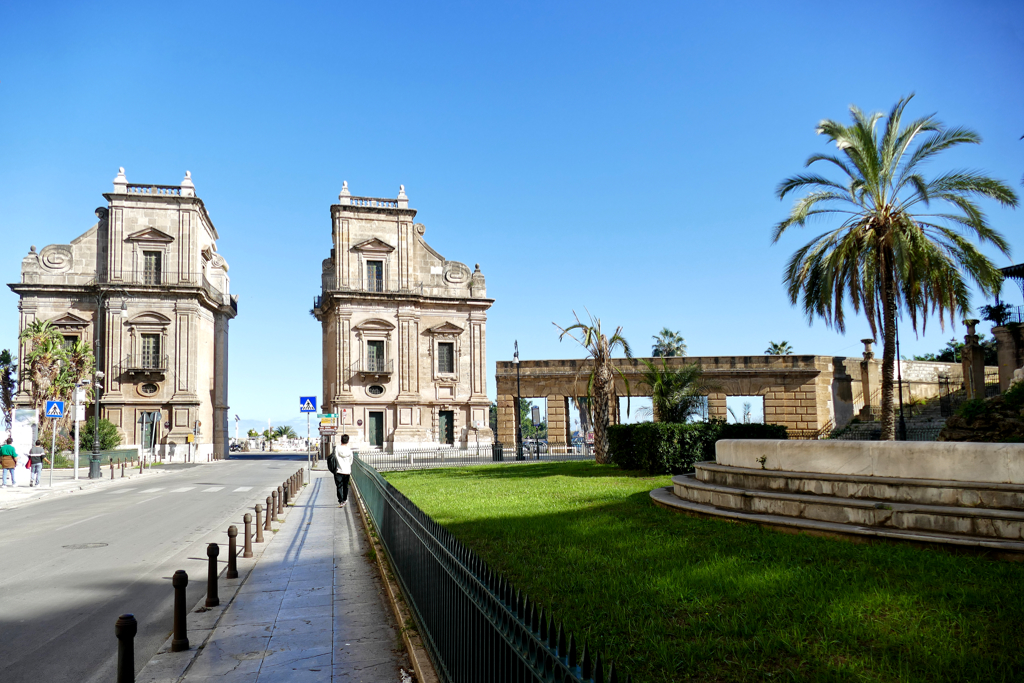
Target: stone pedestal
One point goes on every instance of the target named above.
(973, 361)
(1010, 352)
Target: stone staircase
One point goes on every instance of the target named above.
(970, 515)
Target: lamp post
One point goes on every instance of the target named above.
(97, 375)
(519, 403)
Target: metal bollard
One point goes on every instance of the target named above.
(280, 507)
(232, 553)
(248, 535)
(125, 629)
(180, 642)
(259, 526)
(212, 600)
(122, 468)
(270, 512)
(286, 494)
(111, 469)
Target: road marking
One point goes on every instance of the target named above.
(78, 522)
(148, 499)
(182, 489)
(242, 488)
(117, 493)
(213, 489)
(160, 488)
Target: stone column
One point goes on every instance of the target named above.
(716, 407)
(868, 380)
(972, 359)
(507, 419)
(1009, 351)
(558, 419)
(220, 387)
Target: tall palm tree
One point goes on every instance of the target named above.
(44, 356)
(676, 393)
(778, 349)
(601, 383)
(270, 436)
(286, 432)
(668, 344)
(894, 250)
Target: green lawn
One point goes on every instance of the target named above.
(673, 598)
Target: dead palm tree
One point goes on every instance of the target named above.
(894, 249)
(601, 382)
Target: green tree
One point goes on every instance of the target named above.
(8, 386)
(601, 382)
(668, 344)
(778, 349)
(43, 358)
(110, 438)
(285, 432)
(953, 351)
(676, 393)
(252, 434)
(270, 436)
(899, 246)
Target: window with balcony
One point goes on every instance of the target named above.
(375, 276)
(446, 357)
(375, 356)
(150, 357)
(152, 266)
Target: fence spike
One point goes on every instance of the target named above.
(586, 665)
(543, 626)
(613, 675)
(572, 653)
(598, 670)
(552, 636)
(561, 642)
(533, 618)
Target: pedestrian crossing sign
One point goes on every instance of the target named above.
(307, 404)
(55, 409)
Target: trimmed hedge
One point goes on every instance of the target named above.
(668, 448)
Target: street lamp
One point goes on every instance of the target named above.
(519, 403)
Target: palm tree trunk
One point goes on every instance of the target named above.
(601, 405)
(888, 348)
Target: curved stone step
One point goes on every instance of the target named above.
(886, 489)
(665, 497)
(949, 520)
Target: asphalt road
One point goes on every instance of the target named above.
(71, 564)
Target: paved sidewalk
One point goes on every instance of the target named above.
(311, 610)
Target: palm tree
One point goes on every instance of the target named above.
(286, 432)
(676, 393)
(894, 250)
(667, 344)
(44, 356)
(778, 349)
(252, 434)
(270, 436)
(8, 384)
(601, 383)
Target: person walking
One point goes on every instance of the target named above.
(9, 461)
(340, 465)
(36, 458)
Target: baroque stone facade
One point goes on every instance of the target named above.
(147, 289)
(404, 331)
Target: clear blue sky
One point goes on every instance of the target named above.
(616, 156)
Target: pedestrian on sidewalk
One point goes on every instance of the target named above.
(36, 458)
(9, 461)
(340, 465)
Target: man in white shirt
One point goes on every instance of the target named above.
(340, 465)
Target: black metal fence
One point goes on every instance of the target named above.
(477, 626)
(483, 454)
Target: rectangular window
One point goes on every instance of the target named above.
(69, 341)
(375, 356)
(375, 276)
(150, 351)
(446, 357)
(151, 267)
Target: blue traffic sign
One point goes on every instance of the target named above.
(55, 409)
(307, 404)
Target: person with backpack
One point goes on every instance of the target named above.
(340, 465)
(36, 458)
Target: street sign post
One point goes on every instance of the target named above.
(55, 409)
(307, 405)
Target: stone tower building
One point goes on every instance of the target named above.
(146, 288)
(404, 331)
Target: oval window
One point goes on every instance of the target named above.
(149, 388)
(375, 390)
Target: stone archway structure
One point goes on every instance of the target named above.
(797, 390)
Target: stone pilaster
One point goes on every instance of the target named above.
(558, 419)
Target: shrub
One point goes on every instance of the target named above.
(971, 409)
(110, 438)
(670, 448)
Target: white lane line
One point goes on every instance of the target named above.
(117, 493)
(78, 522)
(182, 489)
(213, 489)
(159, 488)
(147, 500)
(242, 488)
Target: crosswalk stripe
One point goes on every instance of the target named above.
(182, 489)
(159, 488)
(242, 488)
(213, 489)
(117, 493)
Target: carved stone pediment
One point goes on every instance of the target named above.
(150, 318)
(446, 329)
(373, 325)
(70, 320)
(374, 246)
(149, 235)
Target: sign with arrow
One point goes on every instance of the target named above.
(307, 404)
(55, 409)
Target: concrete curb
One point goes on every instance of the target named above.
(418, 655)
(171, 667)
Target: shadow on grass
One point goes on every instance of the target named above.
(672, 597)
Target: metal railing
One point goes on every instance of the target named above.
(377, 366)
(473, 454)
(145, 362)
(476, 625)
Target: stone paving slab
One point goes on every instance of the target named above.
(312, 608)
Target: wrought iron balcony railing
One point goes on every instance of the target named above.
(373, 366)
(145, 362)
